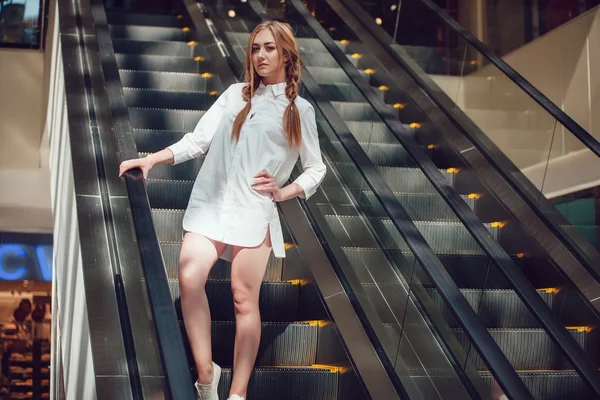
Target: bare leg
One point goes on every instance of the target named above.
(247, 272)
(197, 257)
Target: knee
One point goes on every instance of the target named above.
(244, 301)
(192, 274)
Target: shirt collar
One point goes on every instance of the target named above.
(277, 89)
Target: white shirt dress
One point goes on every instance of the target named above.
(223, 206)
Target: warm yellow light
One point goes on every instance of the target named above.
(294, 281)
(474, 196)
(214, 93)
(192, 43)
(453, 170)
(383, 88)
(520, 255)
(498, 224)
(186, 29)
(370, 71)
(399, 106)
(344, 41)
(231, 13)
(179, 16)
(207, 75)
(473, 62)
(432, 146)
(288, 246)
(378, 21)
(587, 329)
(416, 125)
(551, 290)
(332, 29)
(199, 58)
(357, 55)
(490, 78)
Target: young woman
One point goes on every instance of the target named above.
(256, 131)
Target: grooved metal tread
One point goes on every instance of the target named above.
(281, 343)
(143, 19)
(157, 62)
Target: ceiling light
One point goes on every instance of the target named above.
(231, 13)
(393, 7)
(378, 21)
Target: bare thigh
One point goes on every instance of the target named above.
(197, 257)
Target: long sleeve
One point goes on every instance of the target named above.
(196, 143)
(310, 155)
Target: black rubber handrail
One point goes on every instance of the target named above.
(168, 334)
(579, 247)
(472, 223)
(500, 367)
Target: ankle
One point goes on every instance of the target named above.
(206, 374)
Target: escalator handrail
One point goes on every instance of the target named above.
(540, 309)
(164, 318)
(475, 329)
(580, 248)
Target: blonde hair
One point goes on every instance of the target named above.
(285, 40)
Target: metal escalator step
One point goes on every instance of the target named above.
(357, 111)
(282, 344)
(168, 225)
(405, 180)
(498, 308)
(186, 171)
(169, 194)
(171, 81)
(467, 271)
(526, 349)
(163, 119)
(382, 154)
(371, 132)
(278, 301)
(341, 92)
(547, 385)
(425, 207)
(222, 268)
(442, 237)
(149, 33)
(121, 18)
(287, 383)
(165, 48)
(179, 100)
(153, 140)
(331, 75)
(149, 62)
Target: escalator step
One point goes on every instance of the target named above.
(405, 180)
(121, 18)
(282, 344)
(178, 100)
(166, 48)
(171, 81)
(221, 270)
(328, 75)
(382, 154)
(163, 119)
(442, 237)
(497, 308)
(526, 349)
(153, 140)
(186, 171)
(149, 33)
(148, 62)
(168, 194)
(287, 383)
(278, 300)
(547, 385)
(362, 111)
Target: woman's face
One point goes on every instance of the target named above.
(266, 59)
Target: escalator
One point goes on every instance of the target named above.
(520, 335)
(393, 245)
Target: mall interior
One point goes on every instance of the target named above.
(452, 250)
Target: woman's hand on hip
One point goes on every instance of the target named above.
(264, 183)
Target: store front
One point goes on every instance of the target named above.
(25, 315)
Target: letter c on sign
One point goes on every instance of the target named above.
(14, 250)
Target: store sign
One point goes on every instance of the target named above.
(25, 262)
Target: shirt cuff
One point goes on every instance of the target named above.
(179, 151)
(307, 184)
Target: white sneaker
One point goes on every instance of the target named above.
(209, 392)
(235, 397)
